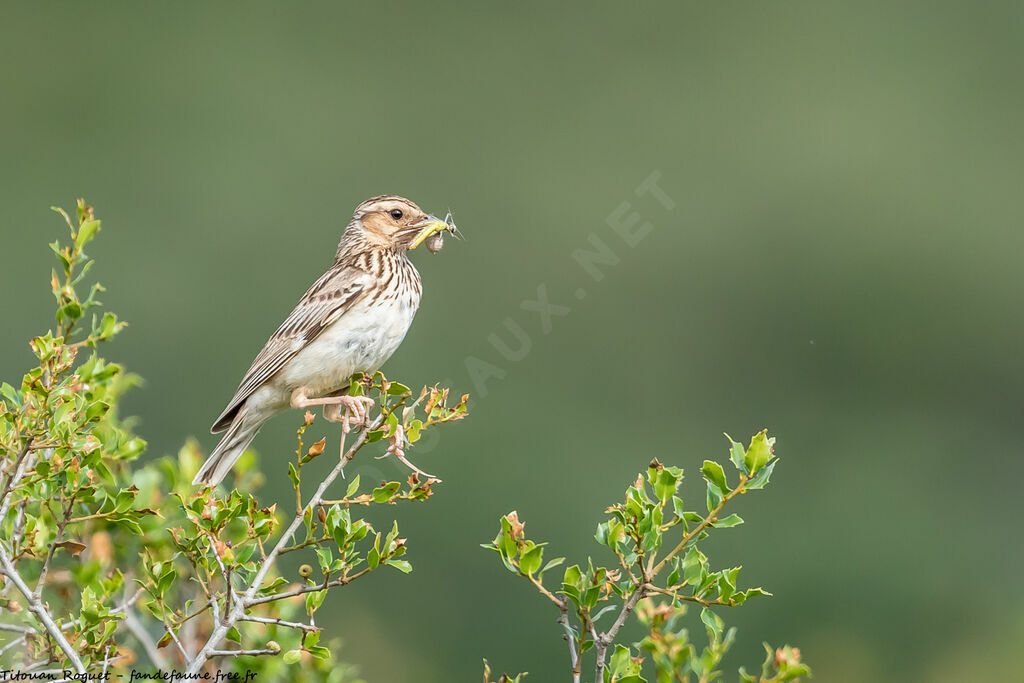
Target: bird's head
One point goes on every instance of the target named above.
(392, 222)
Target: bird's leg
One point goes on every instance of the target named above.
(397, 449)
(356, 407)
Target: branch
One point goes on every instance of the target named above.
(602, 642)
(247, 653)
(61, 526)
(248, 599)
(35, 605)
(689, 536)
(688, 598)
(570, 637)
(307, 589)
(135, 627)
(21, 464)
(13, 479)
(281, 622)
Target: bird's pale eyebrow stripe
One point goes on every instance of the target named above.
(382, 198)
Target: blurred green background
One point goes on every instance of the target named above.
(842, 265)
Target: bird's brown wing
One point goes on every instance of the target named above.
(325, 301)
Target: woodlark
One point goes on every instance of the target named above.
(351, 320)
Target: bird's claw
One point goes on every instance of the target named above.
(349, 410)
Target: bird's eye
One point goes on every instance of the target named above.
(396, 214)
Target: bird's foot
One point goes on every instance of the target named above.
(356, 408)
(397, 449)
(356, 411)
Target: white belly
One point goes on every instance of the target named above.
(361, 340)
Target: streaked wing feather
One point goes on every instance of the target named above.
(323, 303)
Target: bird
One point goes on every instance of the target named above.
(351, 319)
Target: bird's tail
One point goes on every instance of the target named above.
(236, 439)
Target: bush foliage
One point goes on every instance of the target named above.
(107, 562)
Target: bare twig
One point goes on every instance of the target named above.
(177, 641)
(570, 638)
(35, 605)
(689, 536)
(280, 622)
(20, 465)
(302, 590)
(14, 643)
(605, 639)
(247, 653)
(138, 630)
(61, 526)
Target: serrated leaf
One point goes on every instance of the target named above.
(729, 522)
(714, 473)
(736, 454)
(759, 452)
(760, 480)
(712, 621)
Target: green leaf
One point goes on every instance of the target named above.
(293, 474)
(667, 482)
(729, 522)
(714, 496)
(552, 564)
(383, 494)
(713, 622)
(693, 561)
(714, 473)
(352, 487)
(572, 575)
(403, 566)
(292, 656)
(319, 652)
(373, 557)
(759, 452)
(530, 559)
(760, 480)
(86, 231)
(413, 431)
(736, 454)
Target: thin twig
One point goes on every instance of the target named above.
(35, 605)
(602, 642)
(308, 589)
(177, 641)
(689, 536)
(14, 643)
(136, 628)
(61, 526)
(570, 637)
(13, 479)
(688, 598)
(246, 653)
(281, 622)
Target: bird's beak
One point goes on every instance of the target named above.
(429, 226)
